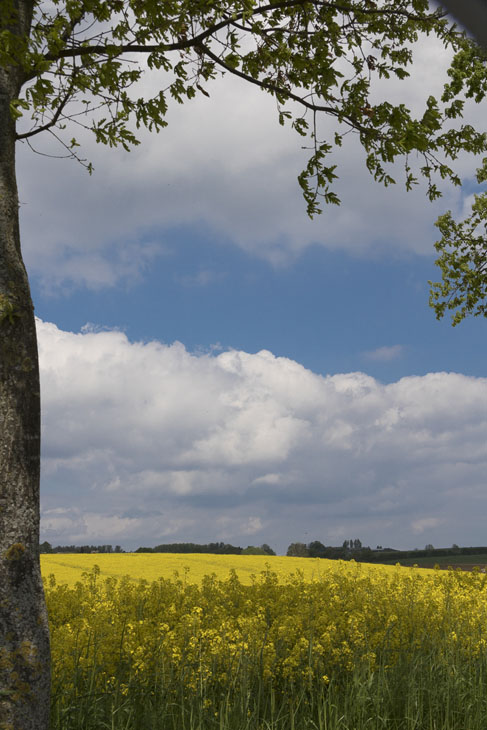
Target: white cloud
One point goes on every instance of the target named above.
(386, 353)
(268, 479)
(151, 442)
(424, 524)
(204, 277)
(252, 526)
(225, 167)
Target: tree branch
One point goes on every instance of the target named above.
(196, 40)
(284, 92)
(53, 121)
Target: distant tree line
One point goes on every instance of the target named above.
(349, 549)
(46, 547)
(354, 550)
(215, 548)
(429, 551)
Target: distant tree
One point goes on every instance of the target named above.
(268, 550)
(336, 553)
(429, 546)
(355, 544)
(365, 554)
(316, 549)
(297, 550)
(45, 547)
(252, 550)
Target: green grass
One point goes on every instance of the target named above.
(420, 693)
(416, 698)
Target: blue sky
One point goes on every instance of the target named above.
(216, 366)
(330, 311)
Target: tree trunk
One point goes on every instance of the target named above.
(24, 633)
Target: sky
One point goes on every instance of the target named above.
(215, 366)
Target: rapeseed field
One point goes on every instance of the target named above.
(300, 644)
(68, 568)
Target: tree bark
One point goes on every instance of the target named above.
(24, 633)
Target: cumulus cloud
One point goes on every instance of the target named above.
(223, 166)
(146, 442)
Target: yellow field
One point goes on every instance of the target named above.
(265, 637)
(68, 568)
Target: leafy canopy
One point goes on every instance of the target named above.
(463, 246)
(83, 58)
(463, 264)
